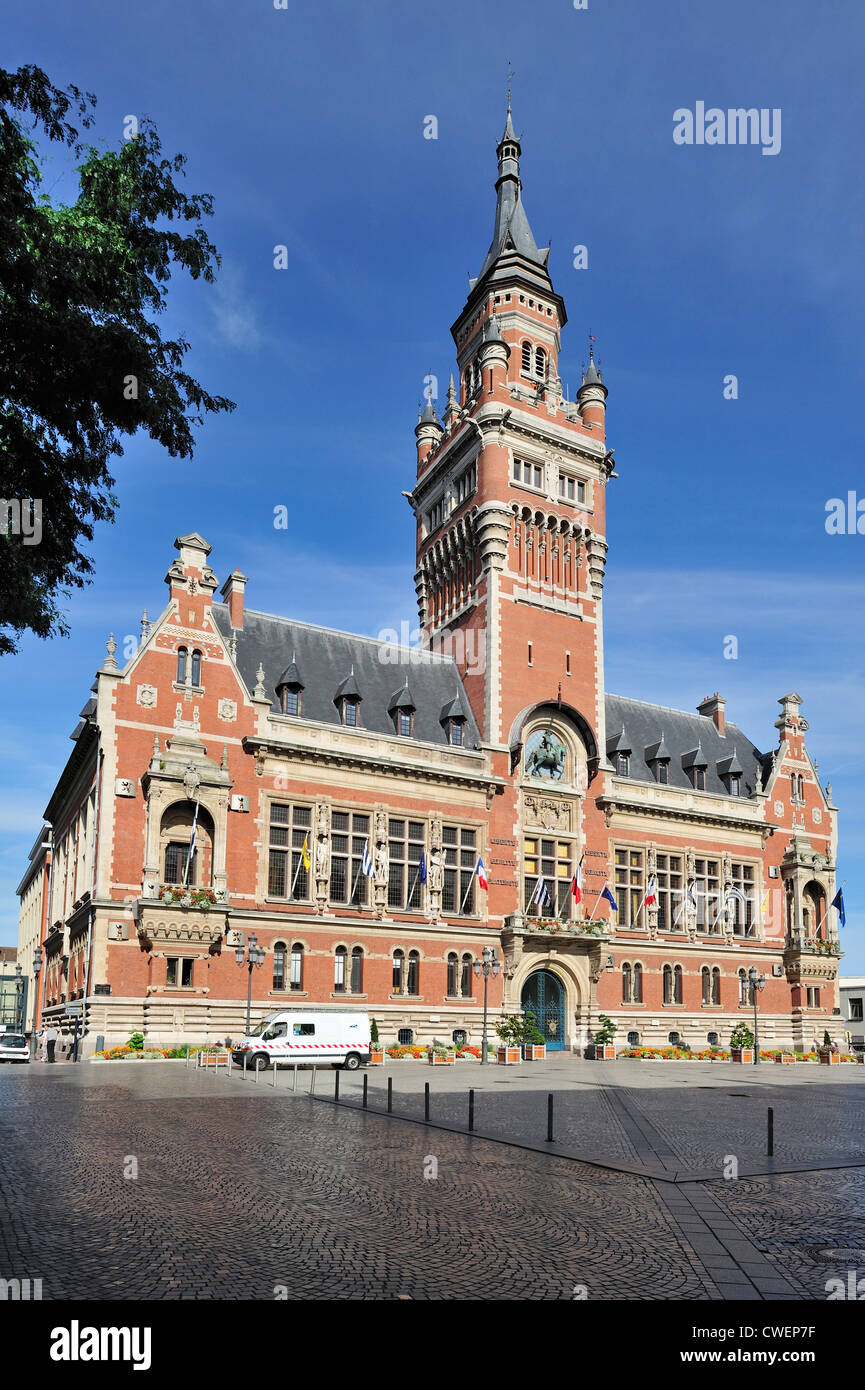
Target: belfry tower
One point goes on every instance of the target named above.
(510, 493)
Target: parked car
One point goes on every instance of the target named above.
(291, 1037)
(14, 1047)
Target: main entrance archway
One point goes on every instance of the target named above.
(543, 995)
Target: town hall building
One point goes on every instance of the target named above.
(369, 817)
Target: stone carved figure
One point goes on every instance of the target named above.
(321, 856)
(435, 870)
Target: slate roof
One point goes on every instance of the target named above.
(327, 657)
(683, 734)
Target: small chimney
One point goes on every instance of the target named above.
(232, 592)
(713, 708)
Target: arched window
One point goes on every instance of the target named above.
(279, 956)
(527, 357)
(182, 654)
(357, 970)
(707, 984)
(398, 960)
(196, 667)
(453, 965)
(413, 974)
(633, 1040)
(716, 985)
(339, 959)
(540, 363)
(296, 966)
(743, 987)
(175, 835)
(677, 984)
(668, 984)
(467, 976)
(638, 984)
(627, 983)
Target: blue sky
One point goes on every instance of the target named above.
(306, 125)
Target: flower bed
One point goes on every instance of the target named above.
(401, 1053)
(203, 898)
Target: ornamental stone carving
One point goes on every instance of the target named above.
(321, 855)
(435, 870)
(227, 711)
(146, 696)
(548, 813)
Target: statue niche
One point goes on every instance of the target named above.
(546, 756)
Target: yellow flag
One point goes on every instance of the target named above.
(304, 853)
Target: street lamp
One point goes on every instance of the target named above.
(19, 997)
(254, 955)
(37, 966)
(756, 982)
(491, 966)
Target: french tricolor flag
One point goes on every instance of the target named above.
(481, 873)
(577, 884)
(651, 892)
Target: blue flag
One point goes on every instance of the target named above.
(838, 901)
(422, 867)
(366, 865)
(609, 897)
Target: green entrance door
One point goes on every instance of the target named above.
(544, 996)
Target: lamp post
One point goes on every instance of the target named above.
(254, 955)
(37, 966)
(19, 998)
(756, 981)
(490, 966)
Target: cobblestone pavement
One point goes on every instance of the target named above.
(242, 1189)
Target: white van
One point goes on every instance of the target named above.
(306, 1038)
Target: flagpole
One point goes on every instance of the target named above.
(191, 843)
(411, 890)
(358, 874)
(595, 908)
(469, 888)
(684, 902)
(828, 909)
(297, 870)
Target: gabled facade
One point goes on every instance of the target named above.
(342, 790)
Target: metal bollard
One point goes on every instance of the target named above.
(336, 1087)
(471, 1111)
(390, 1095)
(550, 1119)
(312, 1082)
(426, 1100)
(275, 1069)
(294, 1087)
(245, 1064)
(771, 1132)
(365, 1085)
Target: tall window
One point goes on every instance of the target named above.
(196, 668)
(404, 723)
(348, 836)
(287, 875)
(460, 851)
(357, 970)
(453, 966)
(716, 985)
(279, 965)
(662, 772)
(296, 967)
(699, 776)
(540, 363)
(707, 889)
(735, 784)
(467, 977)
(550, 860)
(182, 654)
(638, 983)
(176, 855)
(398, 965)
(405, 844)
(413, 975)
(677, 984)
(706, 979)
(455, 732)
(740, 902)
(339, 959)
(629, 886)
(627, 983)
(527, 357)
(623, 764)
(669, 876)
(668, 984)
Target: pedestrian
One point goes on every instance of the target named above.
(51, 1041)
(43, 1043)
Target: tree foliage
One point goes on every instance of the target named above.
(82, 361)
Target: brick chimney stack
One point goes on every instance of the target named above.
(232, 592)
(713, 708)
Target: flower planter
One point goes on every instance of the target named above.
(441, 1059)
(508, 1056)
(534, 1052)
(603, 1052)
(742, 1054)
(786, 1057)
(830, 1059)
(376, 1057)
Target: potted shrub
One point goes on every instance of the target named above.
(742, 1044)
(441, 1054)
(829, 1054)
(376, 1048)
(603, 1046)
(534, 1046)
(510, 1030)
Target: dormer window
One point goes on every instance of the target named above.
(456, 734)
(289, 689)
(349, 711)
(662, 773)
(404, 723)
(347, 700)
(401, 710)
(735, 785)
(623, 764)
(290, 701)
(453, 720)
(699, 779)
